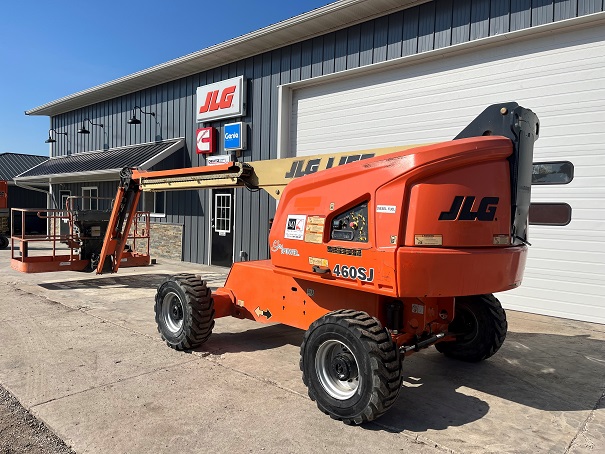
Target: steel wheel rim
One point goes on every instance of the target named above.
(172, 312)
(339, 389)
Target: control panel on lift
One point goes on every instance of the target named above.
(351, 225)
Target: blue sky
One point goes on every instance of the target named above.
(51, 49)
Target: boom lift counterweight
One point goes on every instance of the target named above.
(398, 250)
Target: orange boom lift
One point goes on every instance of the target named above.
(376, 259)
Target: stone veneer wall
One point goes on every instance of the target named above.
(166, 241)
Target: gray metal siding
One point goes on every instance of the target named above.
(19, 197)
(431, 25)
(107, 190)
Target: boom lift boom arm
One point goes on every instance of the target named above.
(516, 123)
(271, 176)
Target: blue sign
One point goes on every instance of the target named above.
(234, 136)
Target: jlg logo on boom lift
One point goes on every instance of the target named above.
(304, 167)
(462, 209)
(225, 99)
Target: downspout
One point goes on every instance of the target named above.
(32, 188)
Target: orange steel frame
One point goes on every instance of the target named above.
(421, 183)
(461, 193)
(425, 279)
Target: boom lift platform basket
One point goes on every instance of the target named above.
(75, 238)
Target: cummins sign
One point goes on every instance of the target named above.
(224, 99)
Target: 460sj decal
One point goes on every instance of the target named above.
(354, 272)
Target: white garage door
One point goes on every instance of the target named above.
(560, 76)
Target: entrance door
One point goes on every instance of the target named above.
(222, 227)
(64, 225)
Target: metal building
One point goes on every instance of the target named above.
(11, 165)
(356, 75)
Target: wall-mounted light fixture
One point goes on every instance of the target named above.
(83, 130)
(134, 120)
(50, 139)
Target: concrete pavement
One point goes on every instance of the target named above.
(82, 353)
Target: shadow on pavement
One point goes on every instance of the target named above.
(547, 372)
(151, 280)
(255, 339)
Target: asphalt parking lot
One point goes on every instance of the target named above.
(82, 353)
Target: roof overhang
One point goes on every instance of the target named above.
(37, 175)
(334, 16)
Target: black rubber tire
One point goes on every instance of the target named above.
(196, 311)
(4, 242)
(94, 262)
(377, 358)
(482, 325)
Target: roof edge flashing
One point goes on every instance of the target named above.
(77, 169)
(54, 107)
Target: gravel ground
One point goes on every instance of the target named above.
(21, 433)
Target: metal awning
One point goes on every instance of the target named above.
(100, 165)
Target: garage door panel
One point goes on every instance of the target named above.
(564, 290)
(571, 278)
(558, 76)
(426, 97)
(586, 236)
(587, 310)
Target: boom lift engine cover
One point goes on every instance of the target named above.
(375, 259)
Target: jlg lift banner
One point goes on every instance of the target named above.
(224, 99)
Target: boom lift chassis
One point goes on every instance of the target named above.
(376, 260)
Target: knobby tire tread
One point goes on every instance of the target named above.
(494, 329)
(383, 355)
(200, 308)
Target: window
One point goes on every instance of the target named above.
(222, 214)
(63, 194)
(556, 172)
(549, 214)
(155, 203)
(90, 198)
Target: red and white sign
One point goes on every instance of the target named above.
(224, 99)
(295, 226)
(218, 160)
(206, 140)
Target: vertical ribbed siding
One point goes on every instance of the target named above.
(520, 14)
(106, 193)
(499, 17)
(25, 198)
(430, 25)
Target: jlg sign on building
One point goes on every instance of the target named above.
(224, 99)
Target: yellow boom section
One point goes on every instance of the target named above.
(271, 175)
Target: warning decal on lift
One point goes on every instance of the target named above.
(428, 240)
(391, 209)
(295, 227)
(319, 262)
(313, 238)
(315, 229)
(262, 313)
